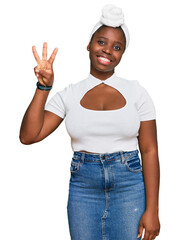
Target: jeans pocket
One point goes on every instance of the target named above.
(75, 165)
(133, 163)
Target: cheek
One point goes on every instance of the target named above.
(92, 53)
(95, 49)
(118, 58)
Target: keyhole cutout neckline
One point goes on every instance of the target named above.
(95, 82)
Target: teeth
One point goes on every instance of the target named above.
(104, 59)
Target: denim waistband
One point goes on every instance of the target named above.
(90, 157)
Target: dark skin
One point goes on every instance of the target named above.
(104, 97)
(38, 124)
(103, 43)
(148, 146)
(147, 138)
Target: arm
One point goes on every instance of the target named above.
(37, 123)
(148, 146)
(149, 151)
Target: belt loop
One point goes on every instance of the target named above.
(82, 157)
(122, 156)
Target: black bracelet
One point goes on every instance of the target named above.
(42, 87)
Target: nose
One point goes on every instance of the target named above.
(107, 50)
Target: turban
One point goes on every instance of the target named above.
(112, 16)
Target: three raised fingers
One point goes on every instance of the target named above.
(44, 54)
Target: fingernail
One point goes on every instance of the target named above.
(37, 70)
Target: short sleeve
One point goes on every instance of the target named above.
(145, 105)
(57, 104)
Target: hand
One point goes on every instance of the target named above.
(43, 70)
(149, 221)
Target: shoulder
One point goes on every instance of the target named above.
(128, 82)
(136, 85)
(78, 85)
(143, 101)
(68, 92)
(72, 86)
(130, 85)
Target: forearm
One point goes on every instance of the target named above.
(34, 116)
(151, 173)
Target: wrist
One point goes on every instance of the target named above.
(42, 87)
(154, 210)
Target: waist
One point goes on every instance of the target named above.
(90, 157)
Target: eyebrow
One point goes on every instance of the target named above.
(107, 38)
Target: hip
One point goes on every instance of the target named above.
(107, 171)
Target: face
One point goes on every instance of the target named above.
(106, 50)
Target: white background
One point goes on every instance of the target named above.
(34, 179)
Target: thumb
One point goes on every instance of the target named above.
(140, 230)
(44, 73)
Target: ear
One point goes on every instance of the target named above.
(88, 46)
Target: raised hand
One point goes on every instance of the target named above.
(44, 71)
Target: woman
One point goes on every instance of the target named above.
(111, 194)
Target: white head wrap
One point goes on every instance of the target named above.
(112, 16)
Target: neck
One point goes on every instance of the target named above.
(101, 75)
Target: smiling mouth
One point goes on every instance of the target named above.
(104, 60)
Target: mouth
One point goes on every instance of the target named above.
(104, 60)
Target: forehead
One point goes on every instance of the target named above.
(114, 34)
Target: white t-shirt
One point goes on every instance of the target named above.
(103, 131)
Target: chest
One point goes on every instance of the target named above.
(103, 97)
(102, 110)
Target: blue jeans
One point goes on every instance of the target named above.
(106, 196)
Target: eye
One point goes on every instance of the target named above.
(100, 41)
(118, 48)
